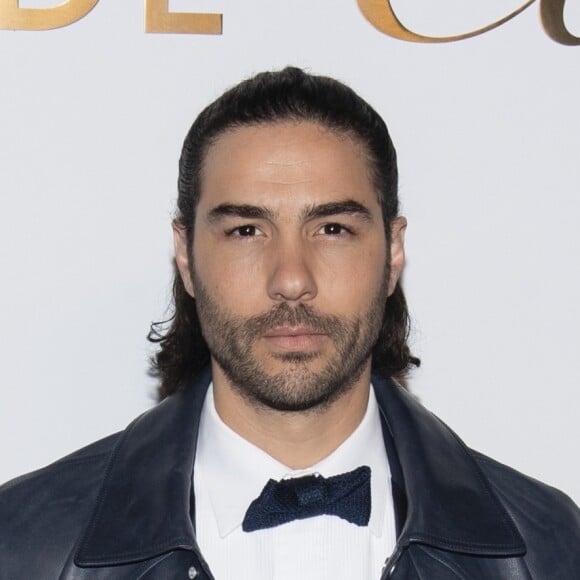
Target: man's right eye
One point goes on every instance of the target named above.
(247, 231)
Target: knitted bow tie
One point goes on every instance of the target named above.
(347, 496)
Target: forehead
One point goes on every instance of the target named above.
(285, 162)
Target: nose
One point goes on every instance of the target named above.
(291, 277)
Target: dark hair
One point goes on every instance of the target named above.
(270, 97)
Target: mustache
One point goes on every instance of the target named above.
(301, 315)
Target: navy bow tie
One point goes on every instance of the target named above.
(347, 496)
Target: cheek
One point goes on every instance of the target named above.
(353, 280)
(234, 283)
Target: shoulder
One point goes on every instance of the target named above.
(548, 520)
(65, 471)
(43, 512)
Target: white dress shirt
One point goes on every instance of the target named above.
(231, 472)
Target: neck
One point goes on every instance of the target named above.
(296, 439)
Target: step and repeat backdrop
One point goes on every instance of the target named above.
(482, 100)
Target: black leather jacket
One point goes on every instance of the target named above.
(123, 507)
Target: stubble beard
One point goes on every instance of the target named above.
(231, 340)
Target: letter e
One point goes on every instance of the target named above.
(159, 19)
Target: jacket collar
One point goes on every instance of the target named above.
(450, 503)
(146, 507)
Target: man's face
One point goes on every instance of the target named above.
(289, 263)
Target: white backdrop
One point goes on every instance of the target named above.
(92, 117)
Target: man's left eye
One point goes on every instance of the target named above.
(333, 230)
(247, 231)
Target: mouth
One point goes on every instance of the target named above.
(294, 338)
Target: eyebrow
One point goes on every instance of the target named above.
(240, 210)
(348, 206)
(248, 211)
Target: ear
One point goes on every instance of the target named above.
(398, 227)
(182, 256)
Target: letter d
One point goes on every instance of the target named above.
(12, 17)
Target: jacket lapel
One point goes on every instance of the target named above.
(450, 504)
(145, 507)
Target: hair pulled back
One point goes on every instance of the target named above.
(270, 97)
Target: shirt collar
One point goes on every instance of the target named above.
(234, 471)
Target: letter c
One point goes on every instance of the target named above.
(552, 15)
(381, 15)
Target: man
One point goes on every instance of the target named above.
(282, 447)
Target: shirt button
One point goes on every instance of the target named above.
(192, 573)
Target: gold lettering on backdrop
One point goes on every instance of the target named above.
(381, 15)
(12, 17)
(159, 19)
(552, 14)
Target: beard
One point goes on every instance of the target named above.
(231, 340)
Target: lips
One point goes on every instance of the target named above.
(294, 338)
(292, 331)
